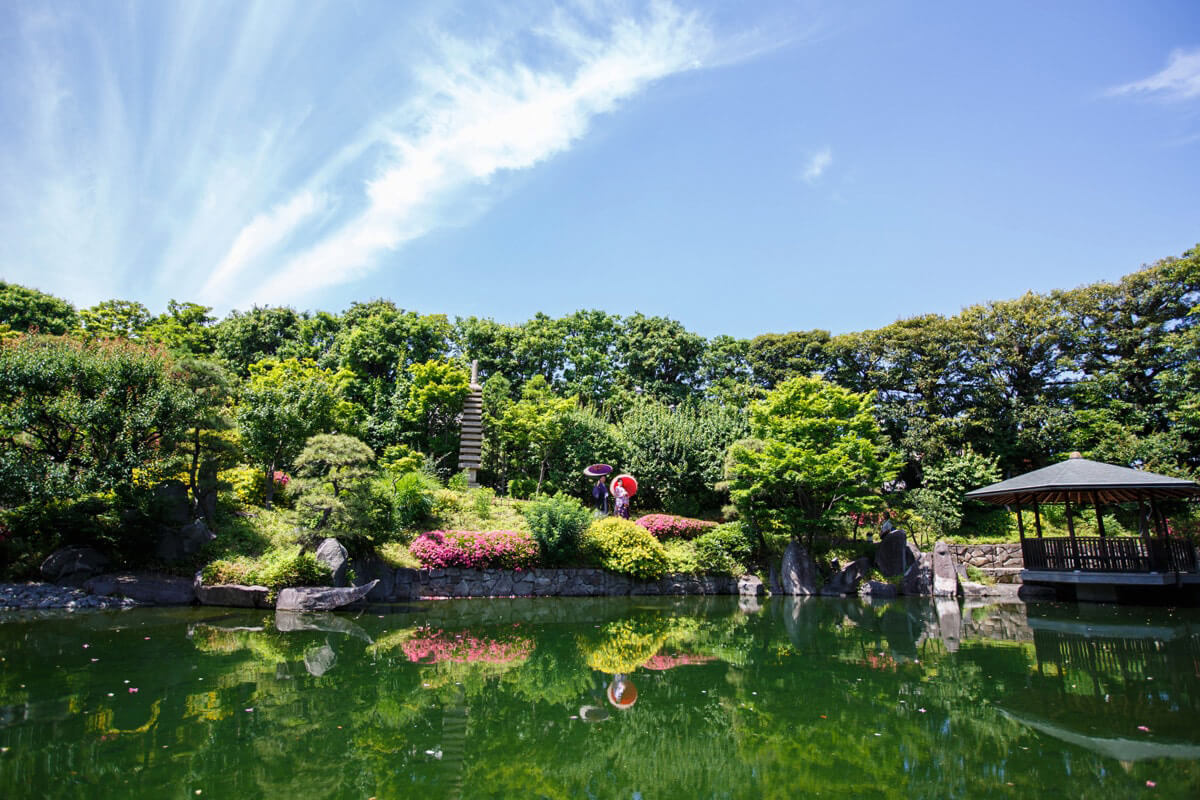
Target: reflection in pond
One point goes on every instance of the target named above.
(503, 698)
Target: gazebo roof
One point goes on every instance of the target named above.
(1082, 480)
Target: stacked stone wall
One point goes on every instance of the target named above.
(412, 584)
(989, 556)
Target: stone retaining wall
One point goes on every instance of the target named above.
(989, 556)
(412, 584)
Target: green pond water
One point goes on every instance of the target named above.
(621, 698)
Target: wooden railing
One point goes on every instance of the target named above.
(1110, 554)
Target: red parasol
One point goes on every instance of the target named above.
(628, 481)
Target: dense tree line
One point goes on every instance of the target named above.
(1111, 369)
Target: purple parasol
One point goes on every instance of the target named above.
(597, 470)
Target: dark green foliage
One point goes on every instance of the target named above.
(678, 454)
(23, 310)
(624, 547)
(334, 474)
(557, 523)
(79, 417)
(725, 549)
(245, 338)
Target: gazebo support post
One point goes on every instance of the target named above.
(1037, 517)
(1143, 519)
(1071, 533)
(1020, 525)
(1099, 515)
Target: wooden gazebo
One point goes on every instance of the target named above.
(1079, 481)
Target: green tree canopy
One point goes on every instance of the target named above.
(816, 451)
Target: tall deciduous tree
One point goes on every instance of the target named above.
(816, 452)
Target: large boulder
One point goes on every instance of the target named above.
(72, 566)
(171, 504)
(847, 580)
(319, 660)
(945, 576)
(288, 621)
(893, 557)
(234, 595)
(157, 590)
(178, 543)
(798, 573)
(332, 554)
(918, 581)
(321, 598)
(877, 589)
(751, 586)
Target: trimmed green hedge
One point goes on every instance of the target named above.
(619, 545)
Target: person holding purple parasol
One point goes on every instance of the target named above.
(600, 490)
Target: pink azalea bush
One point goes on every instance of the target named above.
(475, 549)
(669, 526)
(429, 646)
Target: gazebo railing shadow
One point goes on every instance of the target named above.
(1109, 554)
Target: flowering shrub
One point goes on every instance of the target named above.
(475, 549)
(662, 661)
(669, 526)
(429, 646)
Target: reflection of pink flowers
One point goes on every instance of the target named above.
(661, 661)
(429, 646)
(669, 526)
(475, 549)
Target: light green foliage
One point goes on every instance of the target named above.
(522, 488)
(682, 557)
(399, 459)
(121, 318)
(428, 403)
(282, 405)
(677, 454)
(481, 502)
(530, 429)
(625, 547)
(557, 523)
(413, 498)
(817, 450)
(276, 569)
(333, 478)
(458, 481)
(23, 310)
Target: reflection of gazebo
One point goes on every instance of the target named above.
(1145, 560)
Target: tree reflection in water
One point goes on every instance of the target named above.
(499, 699)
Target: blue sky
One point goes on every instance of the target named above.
(740, 167)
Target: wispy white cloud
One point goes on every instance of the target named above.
(233, 152)
(479, 113)
(1179, 80)
(817, 164)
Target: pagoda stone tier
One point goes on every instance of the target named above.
(471, 435)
